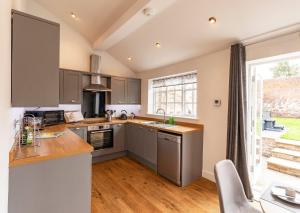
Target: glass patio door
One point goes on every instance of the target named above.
(254, 136)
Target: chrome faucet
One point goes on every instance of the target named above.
(161, 109)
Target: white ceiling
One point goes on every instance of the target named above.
(94, 16)
(181, 26)
(184, 31)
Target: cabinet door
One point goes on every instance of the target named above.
(35, 61)
(119, 137)
(133, 142)
(119, 91)
(133, 91)
(150, 145)
(70, 87)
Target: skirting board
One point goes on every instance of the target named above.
(208, 175)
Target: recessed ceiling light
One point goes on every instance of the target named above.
(157, 44)
(129, 59)
(73, 15)
(212, 20)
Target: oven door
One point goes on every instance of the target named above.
(101, 139)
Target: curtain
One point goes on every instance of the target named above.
(236, 132)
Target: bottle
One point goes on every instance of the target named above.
(29, 137)
(24, 135)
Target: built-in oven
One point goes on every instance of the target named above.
(100, 137)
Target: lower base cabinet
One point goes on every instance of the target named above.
(60, 185)
(142, 142)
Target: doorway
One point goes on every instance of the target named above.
(273, 116)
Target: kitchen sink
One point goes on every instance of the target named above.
(157, 124)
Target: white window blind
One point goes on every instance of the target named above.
(177, 95)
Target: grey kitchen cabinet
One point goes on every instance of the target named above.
(118, 95)
(124, 91)
(35, 61)
(134, 139)
(150, 145)
(59, 185)
(133, 91)
(80, 131)
(70, 88)
(119, 137)
(142, 142)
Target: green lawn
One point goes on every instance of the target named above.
(293, 127)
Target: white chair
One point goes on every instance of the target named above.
(232, 197)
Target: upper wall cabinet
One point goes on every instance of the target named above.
(35, 61)
(124, 91)
(133, 91)
(70, 87)
(118, 92)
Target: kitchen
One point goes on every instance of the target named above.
(140, 105)
(67, 124)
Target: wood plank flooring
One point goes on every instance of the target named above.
(122, 185)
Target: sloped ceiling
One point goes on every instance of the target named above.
(94, 16)
(181, 26)
(184, 31)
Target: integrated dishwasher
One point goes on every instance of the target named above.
(169, 156)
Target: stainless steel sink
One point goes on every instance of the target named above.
(151, 122)
(157, 124)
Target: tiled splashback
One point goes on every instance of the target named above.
(136, 109)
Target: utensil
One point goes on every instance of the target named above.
(109, 114)
(132, 115)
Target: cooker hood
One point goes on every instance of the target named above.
(96, 85)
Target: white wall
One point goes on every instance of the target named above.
(111, 66)
(5, 120)
(273, 47)
(213, 78)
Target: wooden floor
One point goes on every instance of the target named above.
(122, 185)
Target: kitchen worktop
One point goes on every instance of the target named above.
(68, 144)
(179, 128)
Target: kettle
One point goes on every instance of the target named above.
(123, 115)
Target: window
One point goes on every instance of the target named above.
(177, 95)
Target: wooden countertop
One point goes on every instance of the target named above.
(68, 144)
(179, 128)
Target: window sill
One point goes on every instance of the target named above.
(167, 116)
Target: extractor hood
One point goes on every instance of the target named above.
(96, 85)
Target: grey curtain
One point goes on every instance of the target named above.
(236, 132)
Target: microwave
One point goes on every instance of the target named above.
(49, 118)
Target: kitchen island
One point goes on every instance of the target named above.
(54, 177)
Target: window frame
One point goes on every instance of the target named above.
(152, 96)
